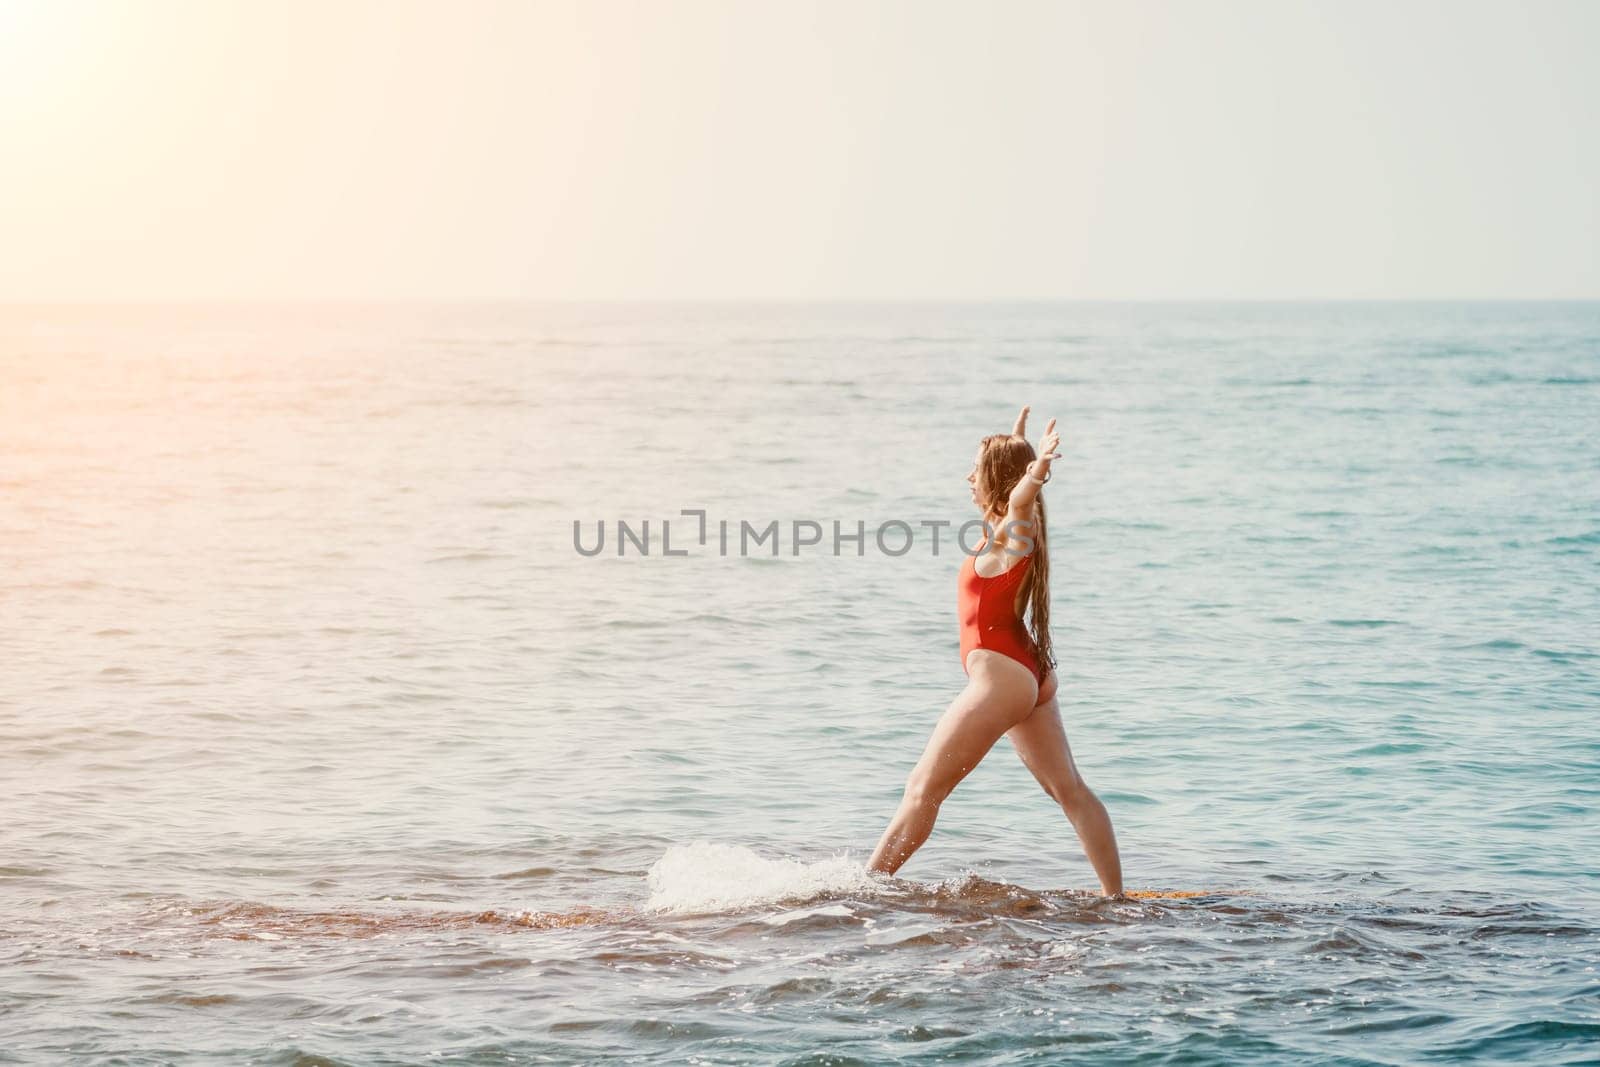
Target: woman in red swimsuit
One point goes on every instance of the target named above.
(1011, 678)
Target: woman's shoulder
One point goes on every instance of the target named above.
(1017, 533)
(1013, 553)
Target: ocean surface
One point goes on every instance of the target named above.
(322, 742)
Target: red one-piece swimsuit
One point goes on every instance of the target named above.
(987, 609)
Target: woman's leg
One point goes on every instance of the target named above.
(1041, 741)
(999, 693)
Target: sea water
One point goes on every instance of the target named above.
(323, 741)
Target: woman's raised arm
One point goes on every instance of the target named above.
(1037, 473)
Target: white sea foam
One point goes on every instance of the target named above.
(706, 876)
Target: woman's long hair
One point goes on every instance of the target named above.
(1003, 462)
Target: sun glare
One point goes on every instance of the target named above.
(37, 39)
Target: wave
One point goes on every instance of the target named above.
(704, 876)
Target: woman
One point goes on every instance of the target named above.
(1011, 678)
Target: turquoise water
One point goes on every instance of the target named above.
(321, 743)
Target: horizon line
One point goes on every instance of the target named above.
(453, 300)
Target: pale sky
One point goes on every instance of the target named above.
(694, 149)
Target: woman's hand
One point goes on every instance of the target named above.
(1020, 430)
(1050, 442)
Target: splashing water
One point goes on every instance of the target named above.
(704, 876)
